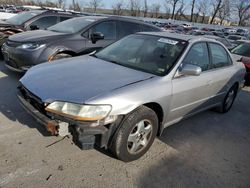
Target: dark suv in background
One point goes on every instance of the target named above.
(31, 20)
(77, 36)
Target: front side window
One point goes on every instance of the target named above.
(108, 29)
(152, 54)
(220, 57)
(198, 55)
(45, 22)
(148, 28)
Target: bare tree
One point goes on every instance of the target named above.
(224, 11)
(203, 9)
(243, 11)
(167, 10)
(173, 3)
(95, 4)
(180, 11)
(61, 4)
(118, 7)
(155, 9)
(145, 8)
(192, 10)
(217, 5)
(135, 7)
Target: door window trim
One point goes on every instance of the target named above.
(228, 57)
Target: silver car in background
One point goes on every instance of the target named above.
(122, 97)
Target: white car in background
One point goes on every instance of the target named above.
(6, 15)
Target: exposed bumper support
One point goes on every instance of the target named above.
(85, 135)
(50, 125)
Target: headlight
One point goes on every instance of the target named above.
(31, 46)
(79, 112)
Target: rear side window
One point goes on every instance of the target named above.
(45, 22)
(108, 29)
(198, 55)
(148, 28)
(127, 28)
(63, 18)
(219, 56)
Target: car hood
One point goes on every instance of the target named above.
(5, 24)
(79, 79)
(34, 36)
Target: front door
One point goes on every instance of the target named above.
(192, 93)
(108, 29)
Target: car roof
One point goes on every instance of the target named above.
(189, 38)
(96, 18)
(37, 11)
(171, 35)
(211, 36)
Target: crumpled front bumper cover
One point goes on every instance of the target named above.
(50, 125)
(85, 136)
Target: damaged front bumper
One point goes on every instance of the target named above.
(85, 134)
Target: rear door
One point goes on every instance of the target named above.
(192, 93)
(221, 71)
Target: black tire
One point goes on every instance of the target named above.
(120, 146)
(225, 107)
(61, 56)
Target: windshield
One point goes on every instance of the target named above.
(152, 54)
(242, 49)
(21, 18)
(72, 25)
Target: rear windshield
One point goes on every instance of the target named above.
(152, 54)
(72, 25)
(21, 18)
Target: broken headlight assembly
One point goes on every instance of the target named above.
(79, 112)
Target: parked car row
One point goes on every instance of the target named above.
(128, 82)
(77, 36)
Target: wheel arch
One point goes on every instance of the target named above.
(159, 112)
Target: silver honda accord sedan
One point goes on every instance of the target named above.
(123, 96)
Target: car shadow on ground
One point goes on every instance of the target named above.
(9, 104)
(211, 150)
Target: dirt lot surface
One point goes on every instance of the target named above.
(207, 150)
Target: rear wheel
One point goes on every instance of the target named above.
(136, 134)
(229, 99)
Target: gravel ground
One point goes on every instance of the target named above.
(207, 150)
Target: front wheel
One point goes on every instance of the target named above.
(60, 56)
(136, 134)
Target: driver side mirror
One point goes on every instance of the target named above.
(34, 27)
(191, 70)
(96, 36)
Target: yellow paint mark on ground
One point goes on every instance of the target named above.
(2, 75)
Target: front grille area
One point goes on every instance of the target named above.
(35, 101)
(12, 64)
(13, 43)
